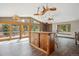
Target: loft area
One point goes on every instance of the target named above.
(50, 30)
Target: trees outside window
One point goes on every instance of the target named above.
(5, 29)
(64, 28)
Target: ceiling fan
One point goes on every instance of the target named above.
(44, 10)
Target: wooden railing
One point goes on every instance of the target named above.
(76, 38)
(43, 42)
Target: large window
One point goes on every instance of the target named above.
(64, 28)
(12, 31)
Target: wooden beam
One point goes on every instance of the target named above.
(30, 29)
(39, 49)
(10, 31)
(13, 22)
(20, 31)
(8, 22)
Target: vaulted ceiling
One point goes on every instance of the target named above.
(65, 11)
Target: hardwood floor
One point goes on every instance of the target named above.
(66, 47)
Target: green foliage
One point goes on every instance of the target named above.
(5, 29)
(35, 27)
(65, 27)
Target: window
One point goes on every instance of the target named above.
(64, 28)
(15, 31)
(4, 31)
(35, 26)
